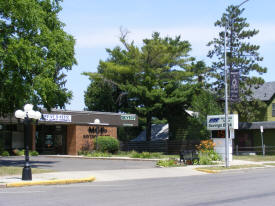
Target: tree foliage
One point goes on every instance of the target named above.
(156, 77)
(34, 51)
(242, 56)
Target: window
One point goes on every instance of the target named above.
(273, 110)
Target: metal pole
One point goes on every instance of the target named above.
(263, 149)
(27, 173)
(96, 137)
(226, 97)
(226, 104)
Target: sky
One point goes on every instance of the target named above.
(95, 25)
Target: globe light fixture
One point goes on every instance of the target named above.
(27, 115)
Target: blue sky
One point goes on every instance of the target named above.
(95, 24)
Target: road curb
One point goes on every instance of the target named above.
(207, 170)
(48, 182)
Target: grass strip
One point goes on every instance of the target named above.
(269, 164)
(222, 168)
(5, 171)
(255, 158)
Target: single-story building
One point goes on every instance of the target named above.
(62, 131)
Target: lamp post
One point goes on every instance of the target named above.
(226, 95)
(27, 115)
(97, 122)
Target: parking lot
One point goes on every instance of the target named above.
(75, 164)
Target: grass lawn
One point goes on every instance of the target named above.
(5, 171)
(256, 158)
(230, 167)
(132, 154)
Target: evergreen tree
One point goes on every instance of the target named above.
(34, 51)
(242, 56)
(157, 78)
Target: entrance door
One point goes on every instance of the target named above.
(51, 139)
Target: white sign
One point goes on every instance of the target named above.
(217, 122)
(128, 117)
(56, 118)
(262, 129)
(220, 148)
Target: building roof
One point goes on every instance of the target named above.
(56, 116)
(265, 92)
(158, 132)
(256, 125)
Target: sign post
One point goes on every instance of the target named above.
(262, 138)
(218, 122)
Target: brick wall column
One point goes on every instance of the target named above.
(71, 140)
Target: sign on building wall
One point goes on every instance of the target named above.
(56, 118)
(128, 117)
(217, 122)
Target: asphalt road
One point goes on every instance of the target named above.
(250, 187)
(75, 164)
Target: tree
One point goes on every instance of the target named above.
(242, 56)
(34, 51)
(156, 77)
(100, 97)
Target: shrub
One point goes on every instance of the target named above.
(107, 144)
(168, 163)
(87, 146)
(205, 145)
(18, 152)
(206, 153)
(135, 154)
(99, 154)
(34, 153)
(4, 153)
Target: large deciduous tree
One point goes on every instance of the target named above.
(34, 52)
(243, 56)
(156, 78)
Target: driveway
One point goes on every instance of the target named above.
(75, 164)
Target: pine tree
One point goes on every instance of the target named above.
(242, 56)
(156, 78)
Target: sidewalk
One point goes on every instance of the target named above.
(108, 175)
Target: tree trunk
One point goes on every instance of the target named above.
(148, 126)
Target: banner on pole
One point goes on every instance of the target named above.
(234, 85)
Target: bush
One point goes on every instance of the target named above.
(168, 163)
(18, 152)
(4, 153)
(135, 154)
(206, 153)
(99, 154)
(34, 153)
(107, 144)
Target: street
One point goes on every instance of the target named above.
(242, 187)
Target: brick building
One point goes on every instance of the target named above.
(63, 132)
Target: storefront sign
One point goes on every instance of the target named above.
(56, 118)
(217, 122)
(128, 117)
(92, 132)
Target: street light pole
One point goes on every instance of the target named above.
(226, 96)
(97, 122)
(27, 115)
(226, 105)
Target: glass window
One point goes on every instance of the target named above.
(273, 110)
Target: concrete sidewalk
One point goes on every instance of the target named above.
(97, 175)
(108, 175)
